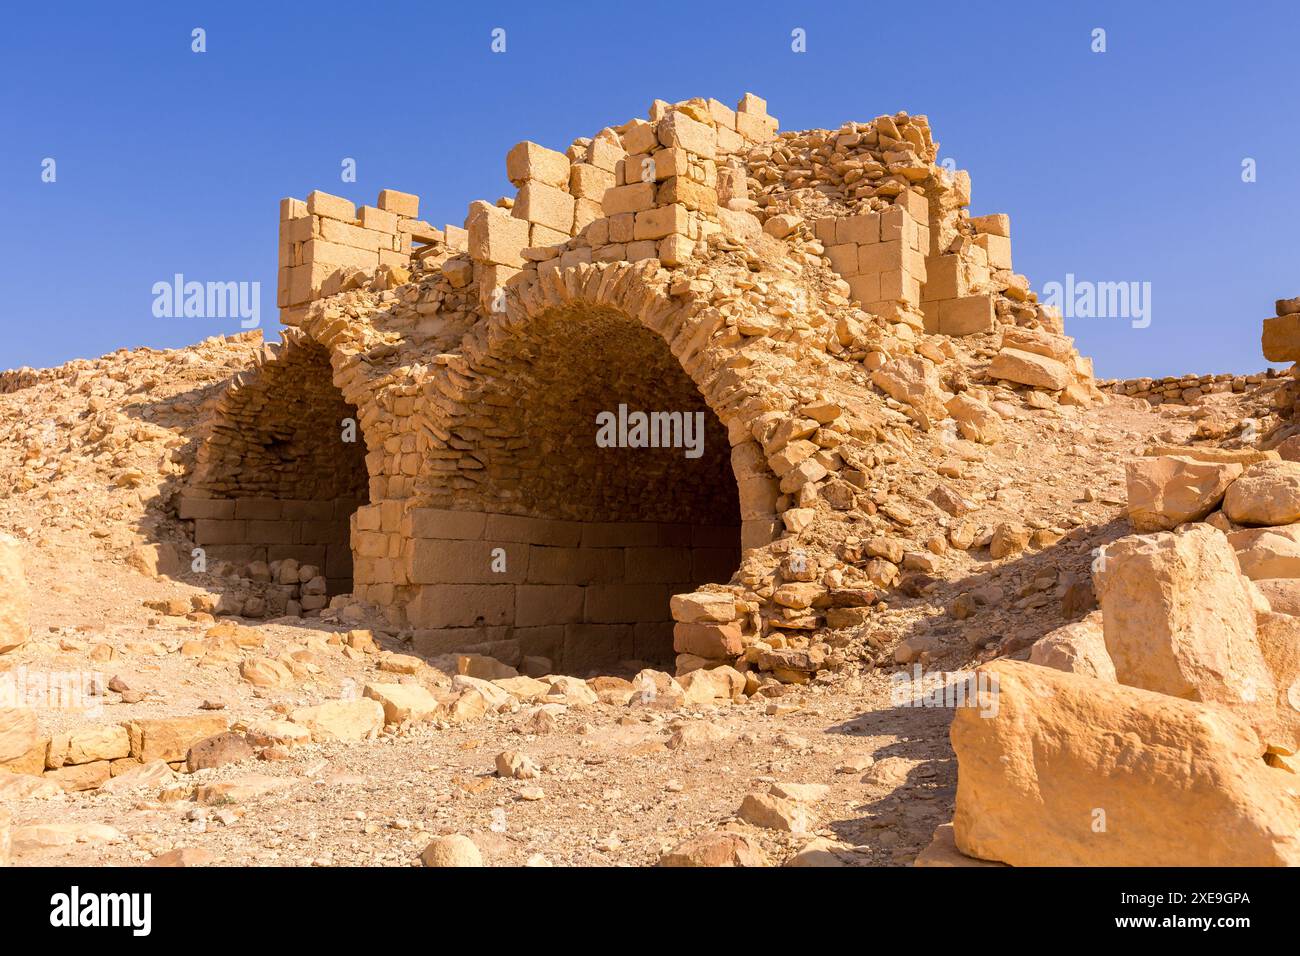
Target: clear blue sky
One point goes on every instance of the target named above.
(1120, 166)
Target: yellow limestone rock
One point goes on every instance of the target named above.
(1072, 771)
(1166, 492)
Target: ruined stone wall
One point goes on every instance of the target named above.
(277, 476)
(583, 593)
(695, 262)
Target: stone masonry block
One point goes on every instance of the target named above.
(632, 198)
(619, 534)
(660, 221)
(261, 508)
(966, 315)
(462, 605)
(332, 207)
(679, 130)
(380, 220)
(589, 182)
(538, 604)
(627, 603)
(495, 236)
(863, 229)
(658, 565)
(191, 508)
(547, 565)
(998, 249)
(430, 561)
(533, 530)
(528, 160)
(403, 204)
(692, 195)
(546, 205)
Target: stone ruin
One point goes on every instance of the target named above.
(816, 298)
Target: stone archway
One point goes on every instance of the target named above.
(281, 470)
(591, 538)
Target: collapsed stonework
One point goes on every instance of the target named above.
(815, 298)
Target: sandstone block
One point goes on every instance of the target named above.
(1027, 368)
(331, 207)
(967, 315)
(712, 641)
(632, 198)
(170, 738)
(1166, 492)
(1077, 648)
(1173, 782)
(545, 205)
(495, 236)
(1179, 619)
(15, 598)
(402, 701)
(400, 203)
(341, 719)
(18, 735)
(1281, 338)
(528, 160)
(1267, 493)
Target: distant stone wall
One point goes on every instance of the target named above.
(1185, 389)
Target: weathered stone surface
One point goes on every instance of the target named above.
(1077, 648)
(1268, 556)
(454, 850)
(1179, 619)
(341, 719)
(17, 733)
(170, 738)
(975, 420)
(217, 751)
(942, 851)
(15, 599)
(1267, 493)
(719, 848)
(1028, 368)
(43, 836)
(773, 813)
(1166, 492)
(240, 789)
(146, 776)
(914, 381)
(1282, 594)
(1072, 771)
(709, 684)
(26, 786)
(403, 701)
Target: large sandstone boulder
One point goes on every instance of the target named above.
(15, 600)
(1072, 771)
(975, 420)
(914, 381)
(1029, 368)
(17, 732)
(1166, 492)
(359, 719)
(1078, 648)
(1269, 556)
(1179, 619)
(1282, 594)
(1279, 642)
(1267, 493)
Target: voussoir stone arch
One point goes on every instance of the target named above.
(594, 540)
